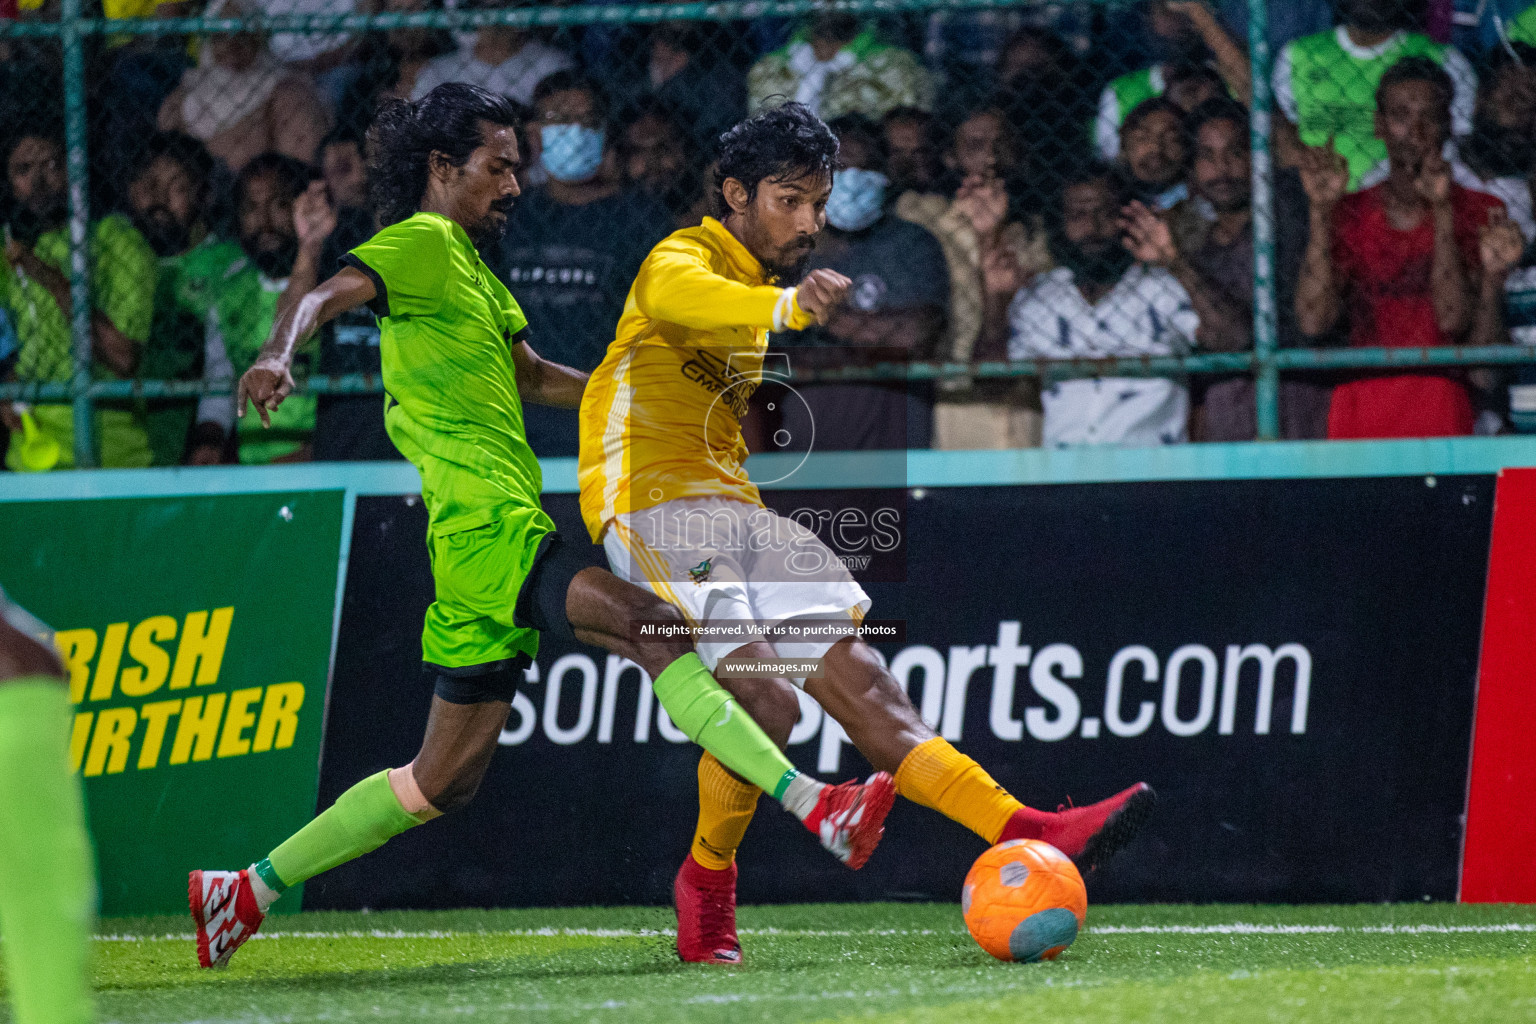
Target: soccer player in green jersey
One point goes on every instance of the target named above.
(457, 367)
(47, 881)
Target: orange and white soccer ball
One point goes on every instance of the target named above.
(1024, 900)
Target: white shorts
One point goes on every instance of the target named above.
(717, 560)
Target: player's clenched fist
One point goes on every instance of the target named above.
(821, 292)
(265, 384)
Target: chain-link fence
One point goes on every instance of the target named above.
(1067, 221)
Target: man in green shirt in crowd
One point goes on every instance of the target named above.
(1326, 84)
(457, 367)
(167, 198)
(34, 289)
(236, 289)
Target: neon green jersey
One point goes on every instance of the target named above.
(123, 272)
(1523, 28)
(446, 327)
(236, 303)
(1326, 85)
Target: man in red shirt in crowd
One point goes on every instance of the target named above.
(1400, 260)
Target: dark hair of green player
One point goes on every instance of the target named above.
(448, 120)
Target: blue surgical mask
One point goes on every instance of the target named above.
(857, 199)
(571, 152)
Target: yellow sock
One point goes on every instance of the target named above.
(726, 806)
(937, 775)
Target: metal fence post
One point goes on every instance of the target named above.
(79, 229)
(1265, 329)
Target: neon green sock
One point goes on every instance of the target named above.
(711, 717)
(361, 820)
(47, 878)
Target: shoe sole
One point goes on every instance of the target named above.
(878, 801)
(195, 904)
(1118, 830)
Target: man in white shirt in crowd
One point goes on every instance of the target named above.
(503, 60)
(1099, 303)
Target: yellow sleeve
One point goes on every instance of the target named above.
(676, 285)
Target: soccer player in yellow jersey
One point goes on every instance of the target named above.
(664, 488)
(457, 368)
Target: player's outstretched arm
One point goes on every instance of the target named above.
(268, 381)
(544, 382)
(677, 285)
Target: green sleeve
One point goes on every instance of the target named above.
(517, 321)
(408, 263)
(1523, 28)
(125, 268)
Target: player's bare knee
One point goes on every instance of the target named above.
(671, 637)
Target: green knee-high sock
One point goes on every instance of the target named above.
(361, 820)
(47, 878)
(711, 717)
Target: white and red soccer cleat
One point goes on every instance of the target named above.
(850, 819)
(706, 914)
(225, 910)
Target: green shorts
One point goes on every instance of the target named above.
(479, 575)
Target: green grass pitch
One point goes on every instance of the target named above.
(883, 962)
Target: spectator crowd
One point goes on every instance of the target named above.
(1058, 180)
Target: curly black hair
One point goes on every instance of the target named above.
(405, 134)
(1416, 69)
(192, 156)
(777, 144)
(292, 174)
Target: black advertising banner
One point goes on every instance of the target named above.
(1291, 663)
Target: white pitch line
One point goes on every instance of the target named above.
(1240, 928)
(1236, 928)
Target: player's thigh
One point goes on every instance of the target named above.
(541, 598)
(792, 574)
(703, 582)
(477, 576)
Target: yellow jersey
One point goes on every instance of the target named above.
(661, 416)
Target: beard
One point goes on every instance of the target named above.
(29, 223)
(274, 261)
(1500, 152)
(1104, 265)
(1226, 195)
(487, 231)
(164, 233)
(791, 264)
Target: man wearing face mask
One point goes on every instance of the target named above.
(234, 289)
(895, 309)
(1100, 303)
(167, 200)
(1174, 38)
(1154, 151)
(1325, 84)
(1213, 260)
(574, 244)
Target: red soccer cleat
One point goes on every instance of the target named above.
(706, 914)
(850, 819)
(1089, 835)
(224, 908)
